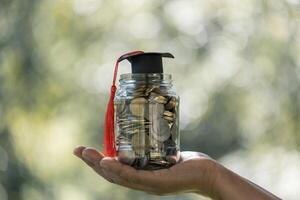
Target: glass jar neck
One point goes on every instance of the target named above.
(155, 79)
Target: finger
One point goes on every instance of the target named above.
(92, 156)
(124, 175)
(78, 151)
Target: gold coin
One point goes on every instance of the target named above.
(168, 114)
(138, 143)
(155, 155)
(150, 89)
(137, 106)
(160, 99)
(156, 98)
(171, 104)
(169, 119)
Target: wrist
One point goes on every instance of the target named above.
(228, 185)
(216, 185)
(222, 178)
(209, 179)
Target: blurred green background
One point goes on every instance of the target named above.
(236, 69)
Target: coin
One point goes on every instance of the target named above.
(137, 106)
(134, 131)
(156, 98)
(174, 132)
(168, 114)
(169, 143)
(171, 103)
(142, 162)
(160, 130)
(169, 119)
(158, 90)
(160, 99)
(140, 89)
(135, 91)
(126, 154)
(130, 119)
(121, 139)
(138, 143)
(149, 90)
(171, 150)
(158, 162)
(156, 111)
(120, 108)
(154, 155)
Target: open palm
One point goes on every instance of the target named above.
(194, 172)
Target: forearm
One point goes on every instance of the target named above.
(230, 186)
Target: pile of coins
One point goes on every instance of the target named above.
(147, 127)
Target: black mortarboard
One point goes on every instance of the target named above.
(150, 62)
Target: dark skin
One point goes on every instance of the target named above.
(195, 172)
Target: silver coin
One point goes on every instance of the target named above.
(131, 120)
(160, 130)
(142, 162)
(126, 154)
(158, 162)
(121, 139)
(156, 110)
(134, 131)
(119, 108)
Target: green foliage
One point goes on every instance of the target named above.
(236, 70)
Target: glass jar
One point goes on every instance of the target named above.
(147, 121)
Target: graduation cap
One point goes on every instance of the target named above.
(150, 62)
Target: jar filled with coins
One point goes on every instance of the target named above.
(147, 115)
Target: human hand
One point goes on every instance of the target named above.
(195, 172)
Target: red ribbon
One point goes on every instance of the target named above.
(109, 132)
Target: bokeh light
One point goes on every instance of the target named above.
(236, 70)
